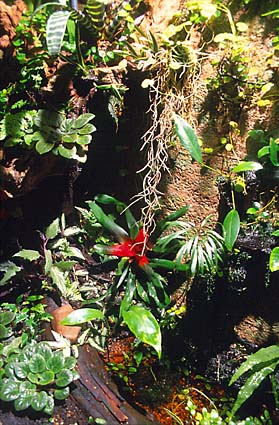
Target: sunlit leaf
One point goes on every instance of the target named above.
(247, 166)
(144, 326)
(82, 315)
(188, 138)
(53, 229)
(10, 270)
(231, 227)
(55, 31)
(274, 259)
(28, 254)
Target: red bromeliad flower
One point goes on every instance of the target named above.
(132, 248)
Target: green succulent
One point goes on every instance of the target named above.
(35, 376)
(6, 318)
(48, 131)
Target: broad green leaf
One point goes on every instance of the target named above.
(276, 232)
(107, 222)
(252, 383)
(82, 315)
(82, 120)
(21, 369)
(274, 151)
(62, 393)
(58, 278)
(23, 402)
(44, 147)
(37, 364)
(231, 226)
(74, 252)
(263, 151)
(70, 362)
(64, 378)
(48, 261)
(49, 406)
(65, 266)
(6, 317)
(10, 269)
(53, 229)
(109, 200)
(55, 31)
(266, 354)
(162, 263)
(27, 388)
(144, 326)
(84, 139)
(5, 332)
(28, 254)
(46, 377)
(39, 401)
(9, 390)
(45, 350)
(188, 138)
(87, 129)
(67, 153)
(247, 166)
(274, 259)
(56, 362)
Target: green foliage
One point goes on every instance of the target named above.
(268, 147)
(256, 368)
(34, 376)
(48, 131)
(231, 227)
(82, 315)
(188, 138)
(6, 319)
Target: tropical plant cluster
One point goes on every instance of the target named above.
(143, 254)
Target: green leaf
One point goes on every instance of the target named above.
(39, 401)
(144, 326)
(107, 222)
(263, 151)
(10, 269)
(56, 362)
(274, 149)
(53, 229)
(129, 292)
(21, 369)
(46, 377)
(87, 129)
(274, 259)
(49, 406)
(252, 383)
(43, 147)
(267, 354)
(55, 31)
(9, 390)
(84, 139)
(70, 362)
(23, 402)
(28, 254)
(58, 278)
(48, 261)
(61, 393)
(188, 138)
(275, 233)
(82, 315)
(45, 350)
(37, 364)
(82, 120)
(231, 226)
(64, 378)
(65, 266)
(6, 317)
(247, 166)
(67, 153)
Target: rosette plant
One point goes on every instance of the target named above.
(138, 279)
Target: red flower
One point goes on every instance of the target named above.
(132, 248)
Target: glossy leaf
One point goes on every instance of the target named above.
(144, 326)
(37, 364)
(58, 278)
(43, 147)
(9, 390)
(49, 406)
(67, 153)
(64, 378)
(46, 377)
(61, 393)
(39, 401)
(56, 362)
(23, 402)
(82, 120)
(188, 138)
(82, 315)
(274, 259)
(10, 270)
(252, 383)
(247, 166)
(267, 354)
(231, 226)
(21, 369)
(108, 223)
(55, 31)
(6, 317)
(53, 229)
(28, 254)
